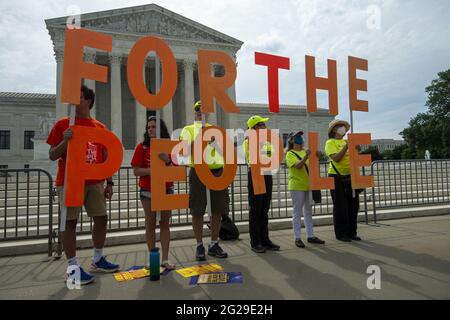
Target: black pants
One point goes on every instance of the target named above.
(259, 209)
(345, 208)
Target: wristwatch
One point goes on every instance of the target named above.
(110, 183)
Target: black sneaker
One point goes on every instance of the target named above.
(356, 238)
(344, 239)
(259, 249)
(200, 253)
(315, 240)
(299, 243)
(272, 247)
(216, 251)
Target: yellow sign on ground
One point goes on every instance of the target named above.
(213, 278)
(201, 269)
(134, 274)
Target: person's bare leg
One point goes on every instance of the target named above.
(150, 224)
(215, 226)
(164, 233)
(197, 225)
(99, 232)
(69, 239)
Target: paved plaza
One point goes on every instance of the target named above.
(412, 254)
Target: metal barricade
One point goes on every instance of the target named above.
(26, 205)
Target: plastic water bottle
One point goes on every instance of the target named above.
(154, 264)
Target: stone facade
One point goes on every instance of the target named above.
(20, 112)
(386, 144)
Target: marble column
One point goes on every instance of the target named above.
(116, 94)
(89, 57)
(189, 90)
(167, 116)
(141, 113)
(167, 111)
(61, 108)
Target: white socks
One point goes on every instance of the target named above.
(98, 254)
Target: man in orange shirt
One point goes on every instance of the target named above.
(95, 193)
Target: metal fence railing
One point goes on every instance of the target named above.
(26, 205)
(28, 209)
(409, 183)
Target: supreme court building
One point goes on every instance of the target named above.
(116, 107)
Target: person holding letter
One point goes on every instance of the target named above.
(141, 163)
(345, 200)
(220, 200)
(259, 203)
(298, 185)
(94, 194)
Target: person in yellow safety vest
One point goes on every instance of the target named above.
(220, 200)
(297, 162)
(259, 204)
(345, 200)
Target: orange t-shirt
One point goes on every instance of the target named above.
(140, 159)
(94, 151)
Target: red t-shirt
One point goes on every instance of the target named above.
(140, 159)
(94, 151)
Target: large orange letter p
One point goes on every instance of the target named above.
(78, 171)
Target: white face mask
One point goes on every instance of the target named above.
(341, 131)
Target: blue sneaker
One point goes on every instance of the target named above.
(104, 266)
(84, 277)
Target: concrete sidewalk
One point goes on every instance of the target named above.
(413, 254)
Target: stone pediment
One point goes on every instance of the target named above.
(150, 19)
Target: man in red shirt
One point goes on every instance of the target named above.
(95, 193)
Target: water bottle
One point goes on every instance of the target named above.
(154, 264)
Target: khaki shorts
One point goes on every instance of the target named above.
(220, 200)
(94, 202)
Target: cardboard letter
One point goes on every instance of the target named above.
(136, 83)
(260, 162)
(201, 167)
(216, 87)
(355, 84)
(160, 174)
(78, 171)
(75, 68)
(273, 63)
(359, 160)
(313, 83)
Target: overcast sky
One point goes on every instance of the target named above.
(406, 42)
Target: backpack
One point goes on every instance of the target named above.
(228, 230)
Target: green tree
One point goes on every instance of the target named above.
(396, 153)
(431, 130)
(387, 155)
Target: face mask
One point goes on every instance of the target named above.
(298, 140)
(341, 131)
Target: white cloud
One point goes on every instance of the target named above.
(404, 55)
